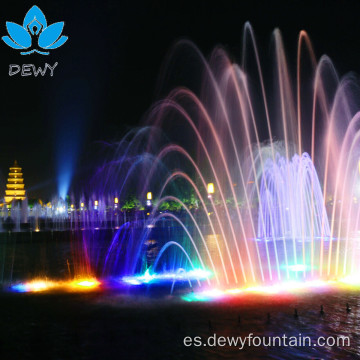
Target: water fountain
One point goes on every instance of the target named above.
(254, 180)
(284, 164)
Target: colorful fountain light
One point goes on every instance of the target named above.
(296, 195)
(34, 286)
(254, 180)
(43, 285)
(86, 283)
(283, 157)
(178, 276)
(284, 288)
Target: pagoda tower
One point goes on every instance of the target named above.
(15, 187)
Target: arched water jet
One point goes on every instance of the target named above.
(167, 245)
(275, 213)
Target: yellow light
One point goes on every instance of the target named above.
(72, 206)
(234, 291)
(210, 188)
(149, 195)
(39, 285)
(85, 283)
(351, 280)
(116, 200)
(82, 205)
(96, 203)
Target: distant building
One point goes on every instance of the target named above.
(15, 187)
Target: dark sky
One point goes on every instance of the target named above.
(108, 70)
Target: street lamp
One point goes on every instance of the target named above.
(148, 198)
(210, 189)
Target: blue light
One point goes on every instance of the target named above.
(19, 288)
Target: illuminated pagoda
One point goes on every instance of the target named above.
(15, 187)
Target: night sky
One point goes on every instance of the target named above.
(107, 72)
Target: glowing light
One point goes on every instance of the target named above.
(133, 281)
(297, 267)
(33, 286)
(149, 195)
(146, 278)
(116, 200)
(289, 287)
(60, 209)
(39, 286)
(234, 291)
(19, 288)
(86, 283)
(351, 280)
(210, 188)
(208, 295)
(96, 203)
(47, 285)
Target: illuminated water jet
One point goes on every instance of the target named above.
(278, 210)
(247, 183)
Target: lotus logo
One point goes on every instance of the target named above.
(34, 33)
